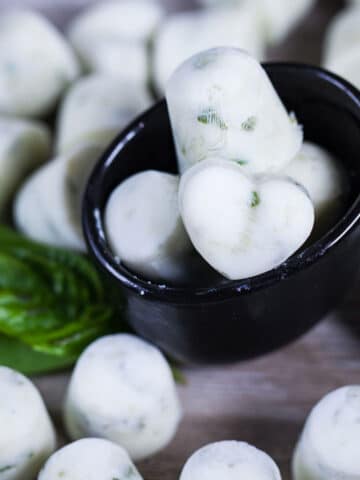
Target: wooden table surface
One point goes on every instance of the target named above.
(264, 401)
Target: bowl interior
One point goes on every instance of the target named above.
(327, 107)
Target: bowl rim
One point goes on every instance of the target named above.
(93, 224)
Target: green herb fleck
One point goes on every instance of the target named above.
(249, 124)
(240, 162)
(205, 59)
(130, 472)
(10, 67)
(293, 118)
(6, 468)
(255, 199)
(210, 116)
(178, 375)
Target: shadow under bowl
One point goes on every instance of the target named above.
(233, 320)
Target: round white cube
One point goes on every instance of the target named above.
(122, 389)
(96, 109)
(329, 445)
(36, 64)
(48, 206)
(123, 20)
(127, 61)
(27, 436)
(230, 460)
(144, 228)
(324, 178)
(90, 459)
(23, 146)
(185, 34)
(280, 18)
(277, 19)
(342, 45)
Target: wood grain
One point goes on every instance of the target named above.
(264, 401)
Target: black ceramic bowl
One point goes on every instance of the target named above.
(234, 320)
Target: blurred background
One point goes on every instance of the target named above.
(304, 42)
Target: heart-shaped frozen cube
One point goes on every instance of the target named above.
(329, 446)
(243, 226)
(222, 103)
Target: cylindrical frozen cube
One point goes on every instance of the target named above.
(342, 35)
(23, 146)
(112, 37)
(342, 45)
(36, 64)
(222, 103)
(277, 18)
(144, 227)
(48, 206)
(230, 460)
(325, 180)
(127, 61)
(243, 226)
(348, 67)
(329, 445)
(184, 34)
(96, 109)
(122, 389)
(123, 20)
(27, 436)
(90, 459)
(280, 18)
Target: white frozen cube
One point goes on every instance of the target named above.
(243, 226)
(122, 389)
(36, 64)
(27, 436)
(96, 109)
(222, 103)
(342, 45)
(24, 145)
(230, 460)
(48, 206)
(90, 459)
(328, 448)
(324, 178)
(144, 228)
(185, 34)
